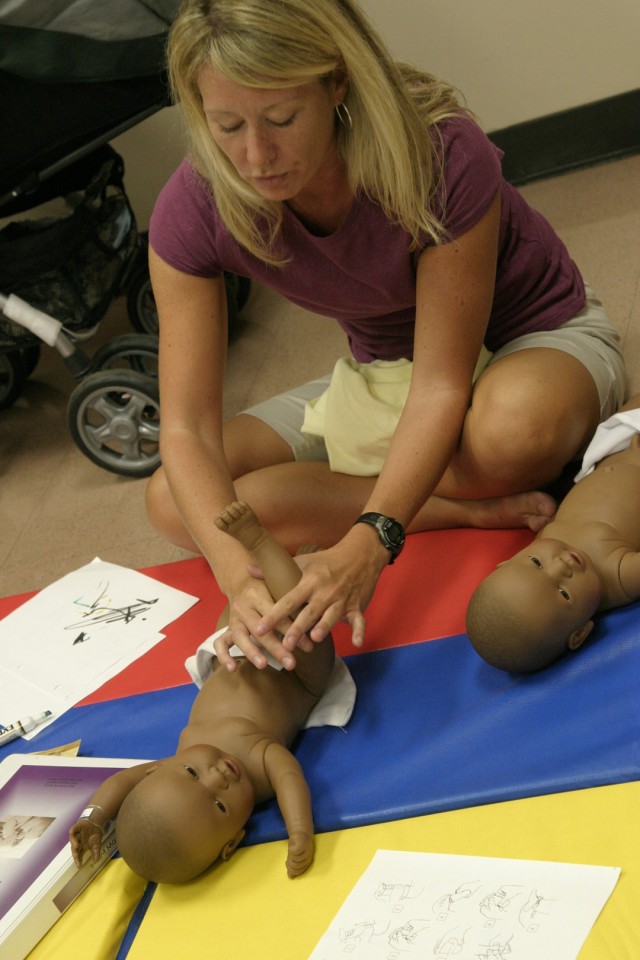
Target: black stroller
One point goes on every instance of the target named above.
(64, 94)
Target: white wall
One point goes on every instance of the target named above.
(512, 59)
(518, 59)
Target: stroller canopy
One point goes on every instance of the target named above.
(79, 40)
(73, 75)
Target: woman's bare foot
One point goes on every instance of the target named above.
(533, 509)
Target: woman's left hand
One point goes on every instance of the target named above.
(336, 584)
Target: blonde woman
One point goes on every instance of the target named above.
(362, 190)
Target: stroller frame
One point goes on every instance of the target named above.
(113, 413)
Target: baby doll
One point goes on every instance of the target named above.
(541, 602)
(177, 816)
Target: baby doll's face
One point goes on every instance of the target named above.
(551, 582)
(209, 796)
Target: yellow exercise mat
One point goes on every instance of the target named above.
(94, 925)
(247, 909)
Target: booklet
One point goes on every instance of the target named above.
(41, 797)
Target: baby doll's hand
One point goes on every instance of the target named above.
(299, 854)
(85, 835)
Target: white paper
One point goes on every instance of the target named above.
(77, 633)
(472, 908)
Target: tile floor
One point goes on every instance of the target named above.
(58, 510)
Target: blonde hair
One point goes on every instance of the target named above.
(392, 151)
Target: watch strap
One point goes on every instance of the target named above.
(383, 524)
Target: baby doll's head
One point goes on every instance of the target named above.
(534, 607)
(188, 812)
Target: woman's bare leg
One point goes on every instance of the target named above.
(532, 412)
(250, 445)
(315, 504)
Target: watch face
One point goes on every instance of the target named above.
(391, 532)
(394, 533)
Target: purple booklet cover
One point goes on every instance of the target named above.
(38, 805)
(40, 798)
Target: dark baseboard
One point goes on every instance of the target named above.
(580, 137)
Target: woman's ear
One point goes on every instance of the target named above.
(340, 84)
(231, 845)
(578, 637)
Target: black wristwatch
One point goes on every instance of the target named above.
(390, 531)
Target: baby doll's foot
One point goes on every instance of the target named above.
(240, 522)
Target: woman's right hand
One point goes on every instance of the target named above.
(248, 604)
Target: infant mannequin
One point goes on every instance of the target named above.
(540, 603)
(177, 816)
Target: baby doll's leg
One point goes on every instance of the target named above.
(281, 573)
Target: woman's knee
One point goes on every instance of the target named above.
(523, 429)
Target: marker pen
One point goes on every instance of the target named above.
(20, 727)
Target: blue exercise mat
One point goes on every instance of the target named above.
(434, 728)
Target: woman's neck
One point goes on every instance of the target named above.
(324, 205)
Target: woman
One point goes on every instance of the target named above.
(361, 190)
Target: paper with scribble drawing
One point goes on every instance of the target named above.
(77, 633)
(418, 905)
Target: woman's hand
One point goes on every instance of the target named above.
(247, 607)
(337, 584)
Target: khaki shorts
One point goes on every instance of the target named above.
(590, 337)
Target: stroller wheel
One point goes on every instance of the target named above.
(131, 351)
(12, 376)
(30, 358)
(114, 418)
(141, 303)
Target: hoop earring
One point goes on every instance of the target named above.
(343, 115)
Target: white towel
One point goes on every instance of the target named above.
(334, 707)
(612, 436)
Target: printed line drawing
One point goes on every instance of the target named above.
(466, 908)
(100, 611)
(405, 937)
(394, 893)
(450, 944)
(365, 931)
(470, 901)
(497, 904)
(531, 910)
(494, 950)
(445, 905)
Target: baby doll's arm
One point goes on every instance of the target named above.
(629, 573)
(292, 793)
(86, 833)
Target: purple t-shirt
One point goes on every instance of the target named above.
(364, 274)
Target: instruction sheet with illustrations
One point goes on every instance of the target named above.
(78, 632)
(438, 906)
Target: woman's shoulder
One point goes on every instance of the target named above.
(471, 172)
(464, 141)
(185, 185)
(184, 226)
